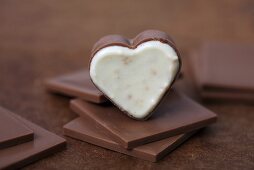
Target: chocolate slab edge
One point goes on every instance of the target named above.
(145, 36)
(177, 143)
(21, 139)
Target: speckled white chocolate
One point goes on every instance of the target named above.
(135, 79)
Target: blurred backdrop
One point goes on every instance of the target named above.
(71, 27)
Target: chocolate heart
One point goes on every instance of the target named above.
(135, 74)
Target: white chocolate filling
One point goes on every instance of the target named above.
(135, 79)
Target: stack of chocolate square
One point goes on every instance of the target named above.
(103, 124)
(23, 142)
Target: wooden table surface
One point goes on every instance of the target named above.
(44, 38)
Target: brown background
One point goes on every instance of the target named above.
(44, 38)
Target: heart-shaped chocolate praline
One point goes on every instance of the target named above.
(135, 74)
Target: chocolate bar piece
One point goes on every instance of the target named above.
(12, 131)
(77, 84)
(44, 144)
(135, 74)
(85, 130)
(221, 68)
(175, 115)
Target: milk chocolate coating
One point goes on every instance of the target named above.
(148, 35)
